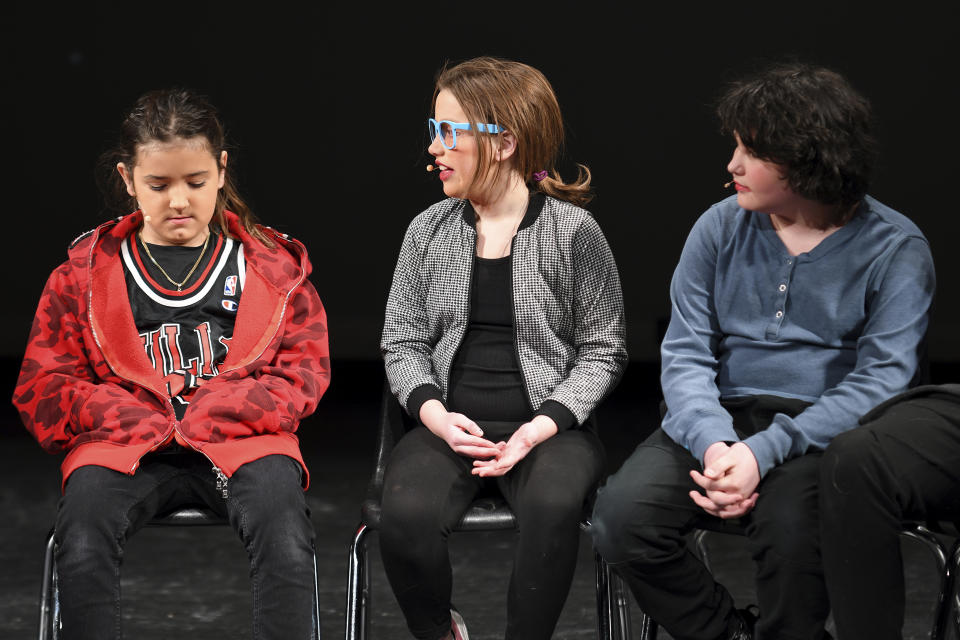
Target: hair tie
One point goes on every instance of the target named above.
(539, 175)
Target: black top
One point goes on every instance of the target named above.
(485, 380)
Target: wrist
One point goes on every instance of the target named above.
(746, 450)
(714, 450)
(542, 427)
(433, 414)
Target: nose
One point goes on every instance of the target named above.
(735, 166)
(178, 197)
(435, 148)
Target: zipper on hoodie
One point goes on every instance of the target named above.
(96, 339)
(222, 482)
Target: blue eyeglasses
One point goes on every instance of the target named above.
(447, 131)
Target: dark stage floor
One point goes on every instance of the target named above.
(192, 583)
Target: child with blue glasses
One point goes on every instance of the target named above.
(504, 329)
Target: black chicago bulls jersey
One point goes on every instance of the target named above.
(185, 334)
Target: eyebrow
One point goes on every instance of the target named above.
(195, 174)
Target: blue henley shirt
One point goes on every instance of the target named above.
(840, 326)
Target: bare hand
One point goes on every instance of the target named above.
(523, 440)
(727, 511)
(461, 434)
(729, 480)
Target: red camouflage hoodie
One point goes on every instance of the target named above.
(87, 387)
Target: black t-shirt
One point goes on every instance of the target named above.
(185, 334)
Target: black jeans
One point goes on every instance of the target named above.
(102, 508)
(644, 511)
(427, 488)
(904, 464)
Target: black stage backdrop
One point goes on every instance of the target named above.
(326, 105)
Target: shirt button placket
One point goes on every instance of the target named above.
(782, 295)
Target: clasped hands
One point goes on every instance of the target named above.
(729, 480)
(465, 437)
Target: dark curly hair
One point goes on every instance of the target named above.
(810, 121)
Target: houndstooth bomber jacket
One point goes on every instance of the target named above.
(567, 306)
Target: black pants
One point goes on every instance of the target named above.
(102, 508)
(644, 511)
(904, 464)
(427, 487)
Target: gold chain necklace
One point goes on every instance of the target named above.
(178, 285)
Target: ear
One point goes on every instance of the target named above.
(507, 146)
(222, 178)
(127, 175)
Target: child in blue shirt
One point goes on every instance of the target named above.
(797, 305)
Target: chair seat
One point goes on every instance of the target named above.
(484, 514)
(188, 516)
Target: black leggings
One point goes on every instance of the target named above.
(428, 487)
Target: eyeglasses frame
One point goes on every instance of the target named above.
(434, 128)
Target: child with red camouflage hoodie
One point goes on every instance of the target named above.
(172, 358)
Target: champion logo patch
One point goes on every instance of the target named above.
(230, 286)
(229, 305)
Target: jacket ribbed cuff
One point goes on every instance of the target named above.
(558, 413)
(420, 395)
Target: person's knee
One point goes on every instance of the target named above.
(625, 528)
(553, 507)
(88, 525)
(788, 531)
(409, 518)
(270, 509)
(84, 544)
(850, 463)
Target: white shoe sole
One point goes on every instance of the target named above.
(461, 627)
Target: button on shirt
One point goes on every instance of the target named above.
(839, 326)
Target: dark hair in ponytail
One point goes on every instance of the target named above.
(167, 115)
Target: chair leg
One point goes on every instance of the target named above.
(49, 597)
(619, 605)
(603, 598)
(648, 628)
(953, 592)
(941, 615)
(316, 598)
(358, 587)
